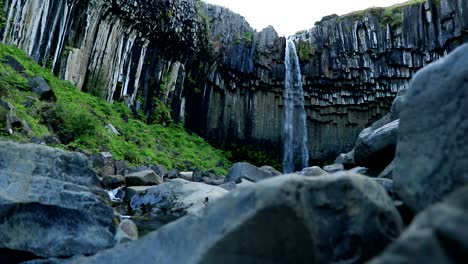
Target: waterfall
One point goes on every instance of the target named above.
(295, 152)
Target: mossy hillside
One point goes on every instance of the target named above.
(392, 15)
(79, 120)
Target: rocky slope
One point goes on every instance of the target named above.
(224, 80)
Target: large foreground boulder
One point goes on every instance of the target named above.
(342, 218)
(437, 235)
(161, 204)
(50, 204)
(432, 151)
(249, 172)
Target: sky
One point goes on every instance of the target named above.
(291, 16)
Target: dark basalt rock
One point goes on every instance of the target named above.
(41, 88)
(286, 219)
(432, 149)
(246, 171)
(437, 235)
(50, 204)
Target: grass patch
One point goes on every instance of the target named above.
(79, 120)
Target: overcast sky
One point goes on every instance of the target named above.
(290, 16)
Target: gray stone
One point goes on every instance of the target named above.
(134, 190)
(229, 186)
(439, 235)
(432, 151)
(186, 175)
(127, 231)
(113, 181)
(313, 172)
(246, 171)
(40, 87)
(160, 170)
(271, 170)
(333, 168)
(120, 167)
(173, 174)
(51, 204)
(104, 163)
(375, 147)
(139, 169)
(112, 129)
(359, 170)
(285, 219)
(143, 178)
(173, 199)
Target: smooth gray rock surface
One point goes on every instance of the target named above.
(143, 178)
(246, 171)
(313, 172)
(50, 203)
(432, 152)
(286, 219)
(175, 198)
(437, 235)
(375, 147)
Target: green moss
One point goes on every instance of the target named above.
(79, 120)
(305, 50)
(2, 14)
(392, 15)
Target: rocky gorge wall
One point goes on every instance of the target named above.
(223, 79)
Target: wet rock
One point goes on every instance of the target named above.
(127, 231)
(438, 234)
(433, 129)
(249, 224)
(173, 199)
(113, 181)
(40, 87)
(139, 169)
(51, 203)
(143, 178)
(246, 171)
(314, 172)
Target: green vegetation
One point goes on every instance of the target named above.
(304, 50)
(248, 36)
(79, 119)
(392, 15)
(254, 156)
(2, 14)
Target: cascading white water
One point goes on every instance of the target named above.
(295, 152)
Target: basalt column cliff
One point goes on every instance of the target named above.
(226, 81)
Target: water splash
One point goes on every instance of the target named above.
(116, 195)
(295, 152)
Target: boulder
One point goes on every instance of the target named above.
(333, 168)
(432, 151)
(113, 181)
(40, 87)
(437, 235)
(112, 129)
(186, 175)
(313, 172)
(285, 219)
(229, 186)
(173, 199)
(50, 203)
(121, 167)
(134, 190)
(14, 64)
(139, 169)
(126, 232)
(160, 170)
(6, 113)
(173, 174)
(375, 147)
(104, 163)
(247, 171)
(271, 170)
(143, 178)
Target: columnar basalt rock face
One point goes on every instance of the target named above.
(354, 65)
(226, 81)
